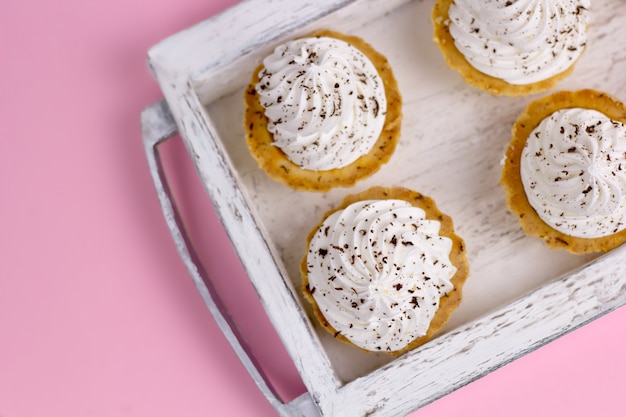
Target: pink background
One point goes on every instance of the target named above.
(98, 316)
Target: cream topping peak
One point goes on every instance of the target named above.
(324, 100)
(573, 169)
(522, 41)
(377, 270)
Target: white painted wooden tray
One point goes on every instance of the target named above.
(520, 295)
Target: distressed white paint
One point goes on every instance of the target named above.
(519, 295)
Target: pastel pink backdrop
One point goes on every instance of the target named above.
(97, 314)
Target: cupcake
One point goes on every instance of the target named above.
(384, 270)
(322, 111)
(510, 47)
(565, 171)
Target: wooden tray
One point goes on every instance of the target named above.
(519, 296)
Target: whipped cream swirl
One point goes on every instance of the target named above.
(520, 41)
(573, 169)
(377, 270)
(324, 101)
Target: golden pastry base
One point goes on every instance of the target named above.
(276, 164)
(517, 201)
(448, 303)
(455, 60)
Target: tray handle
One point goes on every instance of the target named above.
(157, 126)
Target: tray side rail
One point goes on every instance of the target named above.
(158, 126)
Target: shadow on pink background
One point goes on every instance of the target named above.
(98, 316)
